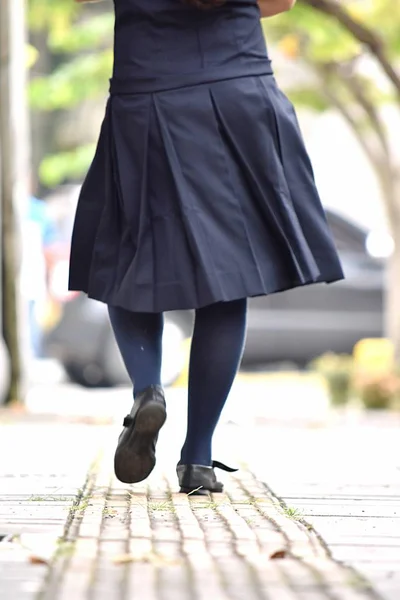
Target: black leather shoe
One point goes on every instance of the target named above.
(135, 455)
(200, 480)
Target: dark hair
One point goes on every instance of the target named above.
(205, 4)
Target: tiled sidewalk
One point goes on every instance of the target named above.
(85, 536)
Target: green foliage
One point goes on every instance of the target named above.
(79, 40)
(63, 165)
(308, 35)
(323, 39)
(373, 386)
(383, 16)
(378, 391)
(85, 35)
(320, 38)
(310, 97)
(83, 47)
(337, 370)
(51, 15)
(81, 78)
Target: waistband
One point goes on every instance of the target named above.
(158, 83)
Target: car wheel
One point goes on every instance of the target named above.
(89, 375)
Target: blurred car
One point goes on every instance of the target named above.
(294, 326)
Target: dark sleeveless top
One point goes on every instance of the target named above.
(166, 44)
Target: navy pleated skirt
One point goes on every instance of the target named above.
(199, 195)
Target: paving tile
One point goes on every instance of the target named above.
(149, 542)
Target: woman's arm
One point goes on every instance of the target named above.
(270, 8)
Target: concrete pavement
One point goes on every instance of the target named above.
(312, 513)
(344, 480)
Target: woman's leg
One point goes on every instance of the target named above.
(217, 348)
(139, 338)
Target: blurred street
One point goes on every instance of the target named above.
(312, 422)
(313, 512)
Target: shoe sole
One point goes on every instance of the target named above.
(134, 459)
(200, 491)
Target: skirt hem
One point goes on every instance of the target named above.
(107, 298)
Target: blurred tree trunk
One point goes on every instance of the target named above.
(14, 181)
(369, 129)
(393, 287)
(43, 124)
(376, 144)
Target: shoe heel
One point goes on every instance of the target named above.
(150, 418)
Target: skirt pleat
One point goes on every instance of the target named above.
(200, 195)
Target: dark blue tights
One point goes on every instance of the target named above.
(217, 347)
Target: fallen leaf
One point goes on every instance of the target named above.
(278, 554)
(38, 560)
(40, 547)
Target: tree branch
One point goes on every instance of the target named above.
(379, 158)
(329, 92)
(361, 32)
(355, 86)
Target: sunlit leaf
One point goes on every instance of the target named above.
(82, 77)
(310, 97)
(31, 56)
(59, 167)
(85, 35)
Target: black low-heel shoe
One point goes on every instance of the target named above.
(135, 455)
(200, 480)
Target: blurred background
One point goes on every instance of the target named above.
(338, 63)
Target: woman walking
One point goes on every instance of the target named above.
(200, 195)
